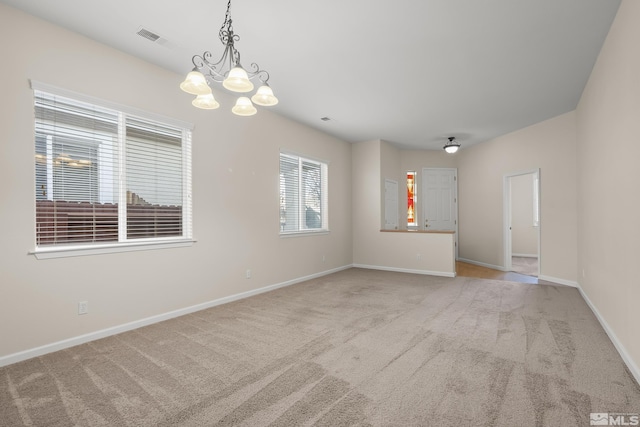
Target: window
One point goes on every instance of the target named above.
(106, 177)
(303, 195)
(411, 199)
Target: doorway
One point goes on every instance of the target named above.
(522, 222)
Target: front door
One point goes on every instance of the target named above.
(439, 199)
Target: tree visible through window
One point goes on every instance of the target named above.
(303, 194)
(106, 176)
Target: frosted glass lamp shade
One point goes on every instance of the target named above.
(451, 148)
(244, 107)
(264, 96)
(195, 84)
(206, 102)
(238, 80)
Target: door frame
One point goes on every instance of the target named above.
(455, 202)
(507, 211)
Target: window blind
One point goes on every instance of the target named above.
(105, 176)
(71, 140)
(303, 194)
(153, 179)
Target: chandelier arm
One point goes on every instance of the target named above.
(262, 75)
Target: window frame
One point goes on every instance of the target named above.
(123, 245)
(324, 195)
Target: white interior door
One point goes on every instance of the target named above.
(390, 204)
(439, 199)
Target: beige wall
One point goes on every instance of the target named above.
(420, 253)
(235, 197)
(550, 146)
(608, 118)
(524, 235)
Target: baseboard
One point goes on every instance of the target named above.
(525, 255)
(482, 264)
(406, 270)
(559, 281)
(71, 342)
(631, 365)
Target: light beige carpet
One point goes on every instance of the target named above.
(359, 347)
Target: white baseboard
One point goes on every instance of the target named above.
(525, 255)
(559, 281)
(633, 368)
(406, 270)
(482, 264)
(71, 342)
(541, 277)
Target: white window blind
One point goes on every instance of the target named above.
(303, 194)
(103, 175)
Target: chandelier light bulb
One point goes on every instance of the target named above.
(264, 96)
(206, 102)
(244, 107)
(238, 80)
(195, 83)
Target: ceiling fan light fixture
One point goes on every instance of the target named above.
(452, 146)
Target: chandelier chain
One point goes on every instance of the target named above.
(227, 21)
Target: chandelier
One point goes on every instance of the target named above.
(451, 146)
(229, 72)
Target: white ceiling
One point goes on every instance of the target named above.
(411, 72)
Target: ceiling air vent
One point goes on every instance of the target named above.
(149, 35)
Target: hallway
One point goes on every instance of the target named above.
(471, 270)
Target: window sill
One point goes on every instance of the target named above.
(302, 233)
(78, 250)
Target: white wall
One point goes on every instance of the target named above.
(235, 197)
(524, 235)
(608, 119)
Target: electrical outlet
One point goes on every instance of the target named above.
(324, 258)
(418, 256)
(83, 307)
(248, 273)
